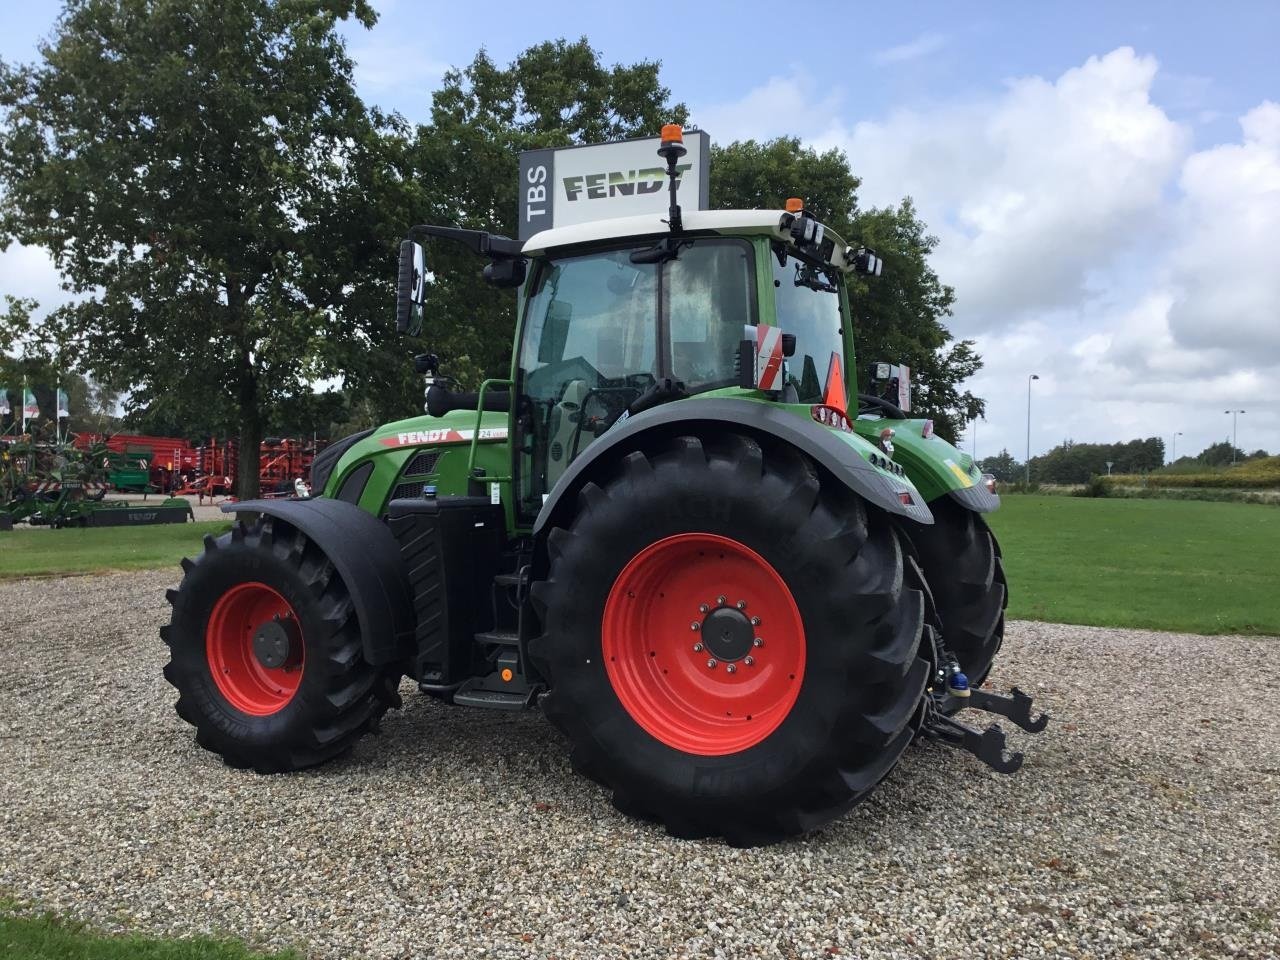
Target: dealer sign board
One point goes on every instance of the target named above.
(571, 185)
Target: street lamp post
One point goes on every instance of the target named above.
(1034, 376)
(1233, 432)
(1174, 453)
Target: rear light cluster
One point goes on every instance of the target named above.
(884, 463)
(829, 416)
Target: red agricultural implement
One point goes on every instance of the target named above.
(173, 465)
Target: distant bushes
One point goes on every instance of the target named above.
(1261, 474)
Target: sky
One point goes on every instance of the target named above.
(1103, 178)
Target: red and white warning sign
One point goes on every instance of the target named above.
(768, 358)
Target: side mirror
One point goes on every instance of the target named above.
(411, 288)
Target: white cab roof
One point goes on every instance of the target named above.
(619, 228)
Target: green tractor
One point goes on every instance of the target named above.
(738, 587)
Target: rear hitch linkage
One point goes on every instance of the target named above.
(987, 745)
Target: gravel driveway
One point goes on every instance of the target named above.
(1145, 823)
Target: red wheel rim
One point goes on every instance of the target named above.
(239, 675)
(673, 644)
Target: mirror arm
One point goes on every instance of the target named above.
(491, 245)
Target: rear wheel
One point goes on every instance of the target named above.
(731, 640)
(265, 652)
(961, 562)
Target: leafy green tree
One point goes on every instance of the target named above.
(1003, 467)
(1071, 462)
(899, 317)
(193, 167)
(1220, 454)
(466, 160)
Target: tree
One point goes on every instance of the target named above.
(1220, 454)
(192, 167)
(898, 316)
(1003, 467)
(553, 94)
(1071, 462)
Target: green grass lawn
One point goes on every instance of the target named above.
(45, 938)
(1161, 564)
(43, 552)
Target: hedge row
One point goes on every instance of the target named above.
(1254, 475)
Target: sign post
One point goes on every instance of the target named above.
(572, 185)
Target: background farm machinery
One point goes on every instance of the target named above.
(62, 485)
(146, 464)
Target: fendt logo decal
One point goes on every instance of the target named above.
(619, 183)
(418, 438)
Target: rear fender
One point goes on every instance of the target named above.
(844, 455)
(366, 556)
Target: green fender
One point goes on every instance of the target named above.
(936, 467)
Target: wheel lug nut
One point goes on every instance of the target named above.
(703, 608)
(732, 668)
(721, 600)
(755, 621)
(742, 604)
(749, 660)
(697, 648)
(711, 664)
(695, 626)
(757, 642)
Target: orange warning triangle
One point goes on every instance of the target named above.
(835, 395)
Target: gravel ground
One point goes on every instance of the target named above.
(1144, 823)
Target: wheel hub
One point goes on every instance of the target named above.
(277, 642)
(689, 667)
(727, 634)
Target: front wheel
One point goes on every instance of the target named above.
(961, 563)
(266, 655)
(731, 640)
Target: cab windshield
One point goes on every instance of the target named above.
(601, 330)
(807, 297)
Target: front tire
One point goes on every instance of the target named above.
(961, 562)
(266, 654)
(673, 718)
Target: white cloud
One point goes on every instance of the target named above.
(782, 106)
(1226, 267)
(1088, 243)
(1031, 190)
(921, 46)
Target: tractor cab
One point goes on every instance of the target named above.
(621, 315)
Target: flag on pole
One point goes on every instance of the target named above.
(30, 409)
(4, 402)
(63, 404)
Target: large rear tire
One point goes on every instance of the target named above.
(961, 562)
(653, 668)
(266, 655)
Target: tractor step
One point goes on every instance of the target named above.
(495, 699)
(502, 638)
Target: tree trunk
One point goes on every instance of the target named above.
(247, 486)
(250, 448)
